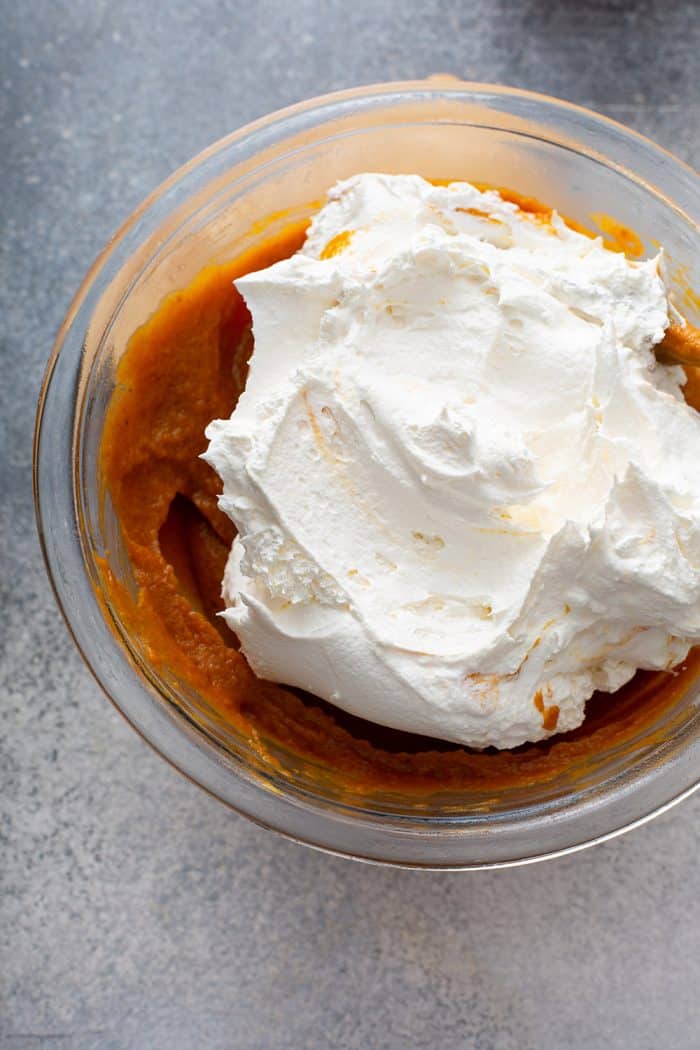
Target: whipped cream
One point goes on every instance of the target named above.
(466, 494)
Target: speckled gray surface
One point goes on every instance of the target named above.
(136, 912)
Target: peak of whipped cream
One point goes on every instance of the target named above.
(466, 494)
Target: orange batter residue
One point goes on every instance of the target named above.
(337, 244)
(618, 237)
(550, 715)
(186, 366)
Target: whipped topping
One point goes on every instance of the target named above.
(466, 494)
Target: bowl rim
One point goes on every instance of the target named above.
(442, 82)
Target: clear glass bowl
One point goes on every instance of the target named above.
(212, 209)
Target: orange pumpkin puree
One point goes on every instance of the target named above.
(186, 366)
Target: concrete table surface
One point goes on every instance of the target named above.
(136, 912)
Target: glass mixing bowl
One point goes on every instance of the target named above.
(215, 207)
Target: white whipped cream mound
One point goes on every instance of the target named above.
(466, 494)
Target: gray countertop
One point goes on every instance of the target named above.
(135, 911)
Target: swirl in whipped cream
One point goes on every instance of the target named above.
(466, 494)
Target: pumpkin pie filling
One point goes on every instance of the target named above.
(184, 367)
